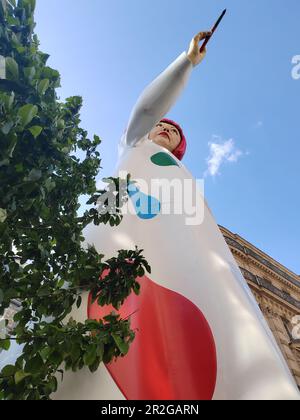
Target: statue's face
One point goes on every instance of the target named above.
(166, 135)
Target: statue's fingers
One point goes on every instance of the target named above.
(202, 35)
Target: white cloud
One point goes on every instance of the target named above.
(221, 152)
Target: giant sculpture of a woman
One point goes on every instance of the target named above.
(199, 331)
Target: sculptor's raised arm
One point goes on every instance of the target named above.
(157, 99)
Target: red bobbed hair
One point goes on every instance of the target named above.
(181, 148)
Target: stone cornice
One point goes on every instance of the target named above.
(261, 282)
(249, 252)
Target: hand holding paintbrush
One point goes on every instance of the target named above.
(196, 55)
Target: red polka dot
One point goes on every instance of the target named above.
(173, 356)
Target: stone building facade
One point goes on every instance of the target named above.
(277, 291)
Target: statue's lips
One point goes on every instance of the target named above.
(163, 133)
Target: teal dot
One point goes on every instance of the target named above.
(146, 206)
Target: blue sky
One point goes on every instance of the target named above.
(241, 103)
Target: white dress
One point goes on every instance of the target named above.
(201, 334)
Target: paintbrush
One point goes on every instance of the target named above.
(212, 31)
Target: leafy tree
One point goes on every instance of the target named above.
(42, 261)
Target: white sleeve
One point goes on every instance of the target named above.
(157, 99)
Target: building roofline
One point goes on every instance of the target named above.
(264, 255)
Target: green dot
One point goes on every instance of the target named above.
(163, 159)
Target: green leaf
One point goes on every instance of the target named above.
(61, 283)
(50, 185)
(21, 50)
(5, 344)
(12, 145)
(26, 114)
(15, 40)
(122, 346)
(56, 358)
(20, 376)
(3, 7)
(62, 374)
(79, 301)
(100, 350)
(141, 272)
(60, 124)
(8, 101)
(43, 292)
(35, 130)
(29, 73)
(34, 175)
(147, 266)
(137, 288)
(3, 215)
(94, 367)
(45, 353)
(75, 352)
(7, 127)
(90, 355)
(8, 370)
(12, 69)
(34, 365)
(53, 384)
(33, 3)
(43, 86)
